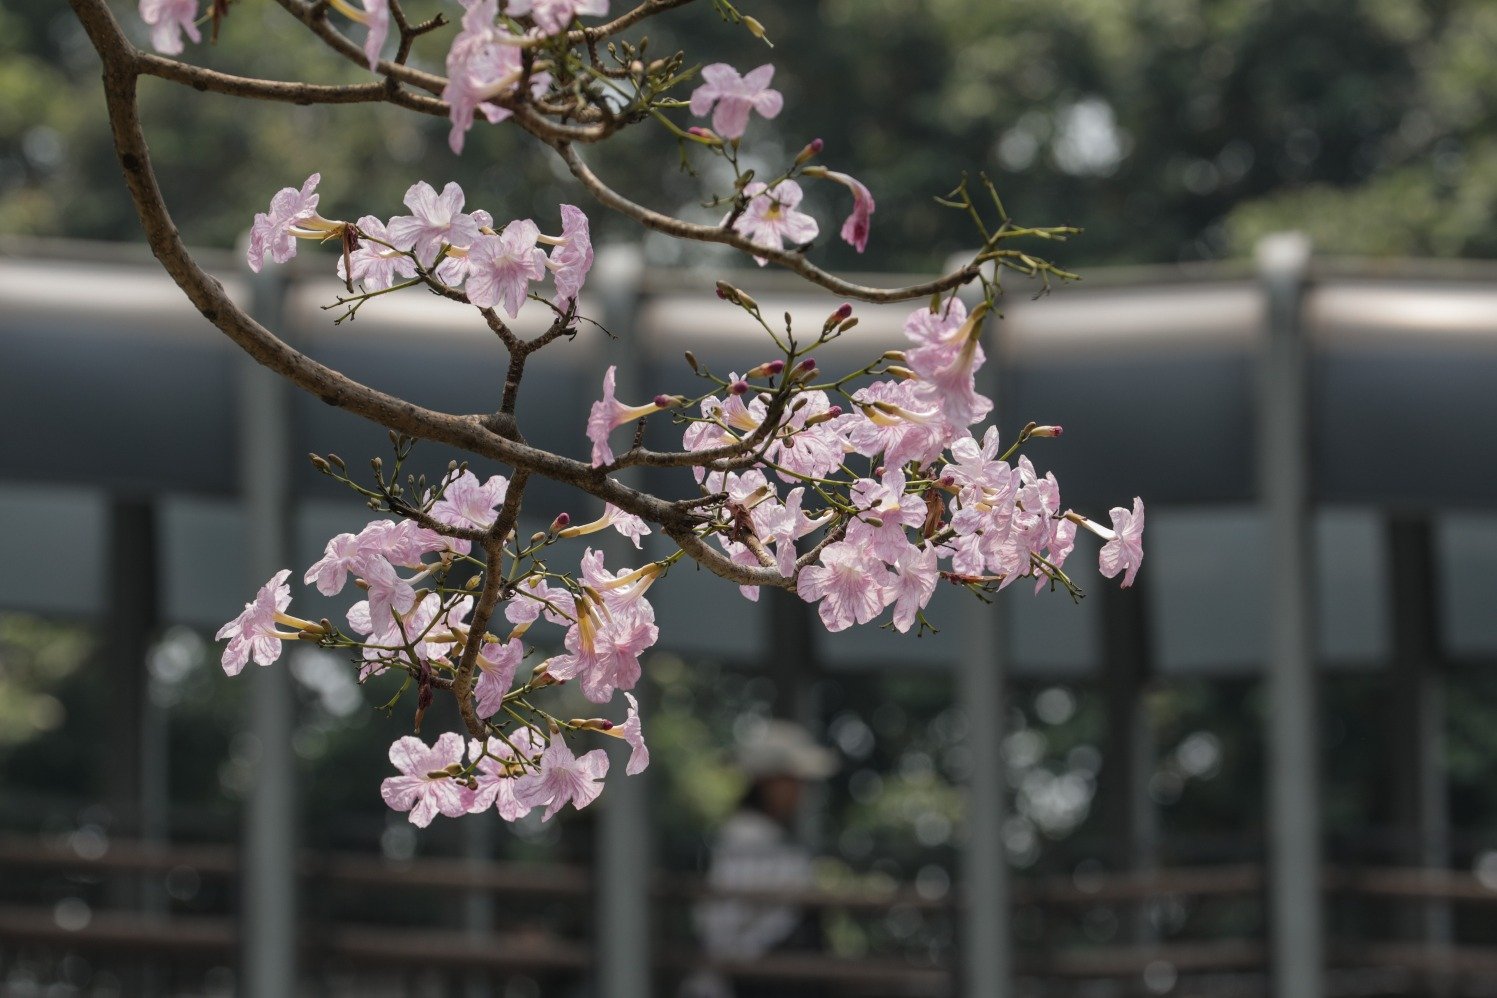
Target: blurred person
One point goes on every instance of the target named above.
(756, 850)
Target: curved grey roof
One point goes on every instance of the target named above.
(112, 383)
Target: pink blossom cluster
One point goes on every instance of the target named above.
(438, 241)
(411, 620)
(934, 502)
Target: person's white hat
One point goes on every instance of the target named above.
(784, 748)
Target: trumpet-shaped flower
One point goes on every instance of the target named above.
(500, 268)
(168, 19)
(292, 213)
(496, 674)
(730, 97)
(1125, 551)
(499, 771)
(602, 651)
(253, 633)
(915, 576)
(631, 732)
(563, 778)
(572, 256)
(436, 220)
(377, 17)
(856, 228)
(469, 504)
(608, 413)
(374, 265)
(554, 16)
(771, 217)
(425, 786)
(851, 583)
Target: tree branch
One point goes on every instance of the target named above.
(790, 260)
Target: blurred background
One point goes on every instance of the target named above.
(1267, 769)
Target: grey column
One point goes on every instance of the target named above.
(1420, 797)
(267, 882)
(625, 843)
(986, 946)
(1295, 910)
(1130, 760)
(134, 764)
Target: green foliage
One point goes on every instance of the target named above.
(1169, 129)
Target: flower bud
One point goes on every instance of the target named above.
(539, 537)
(337, 462)
(766, 370)
(812, 149)
(376, 464)
(902, 373)
(691, 358)
(755, 28)
(321, 464)
(847, 324)
(897, 356)
(706, 136)
(1047, 431)
(739, 387)
(561, 521)
(823, 417)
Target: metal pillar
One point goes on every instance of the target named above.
(1295, 911)
(1421, 811)
(478, 903)
(267, 883)
(134, 764)
(987, 958)
(625, 854)
(981, 688)
(1130, 759)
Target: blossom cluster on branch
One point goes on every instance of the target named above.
(860, 490)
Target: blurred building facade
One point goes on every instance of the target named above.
(1310, 436)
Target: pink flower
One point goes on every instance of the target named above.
(468, 504)
(533, 597)
(377, 16)
(389, 594)
(425, 788)
(553, 16)
(253, 633)
(885, 502)
(274, 232)
(851, 583)
(631, 732)
(499, 772)
(975, 465)
(496, 674)
(341, 556)
(167, 20)
(771, 218)
(915, 576)
(1125, 551)
(563, 778)
(608, 413)
(437, 220)
(483, 64)
(855, 229)
(603, 651)
(572, 256)
(500, 268)
(734, 97)
(893, 420)
(947, 367)
(373, 265)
